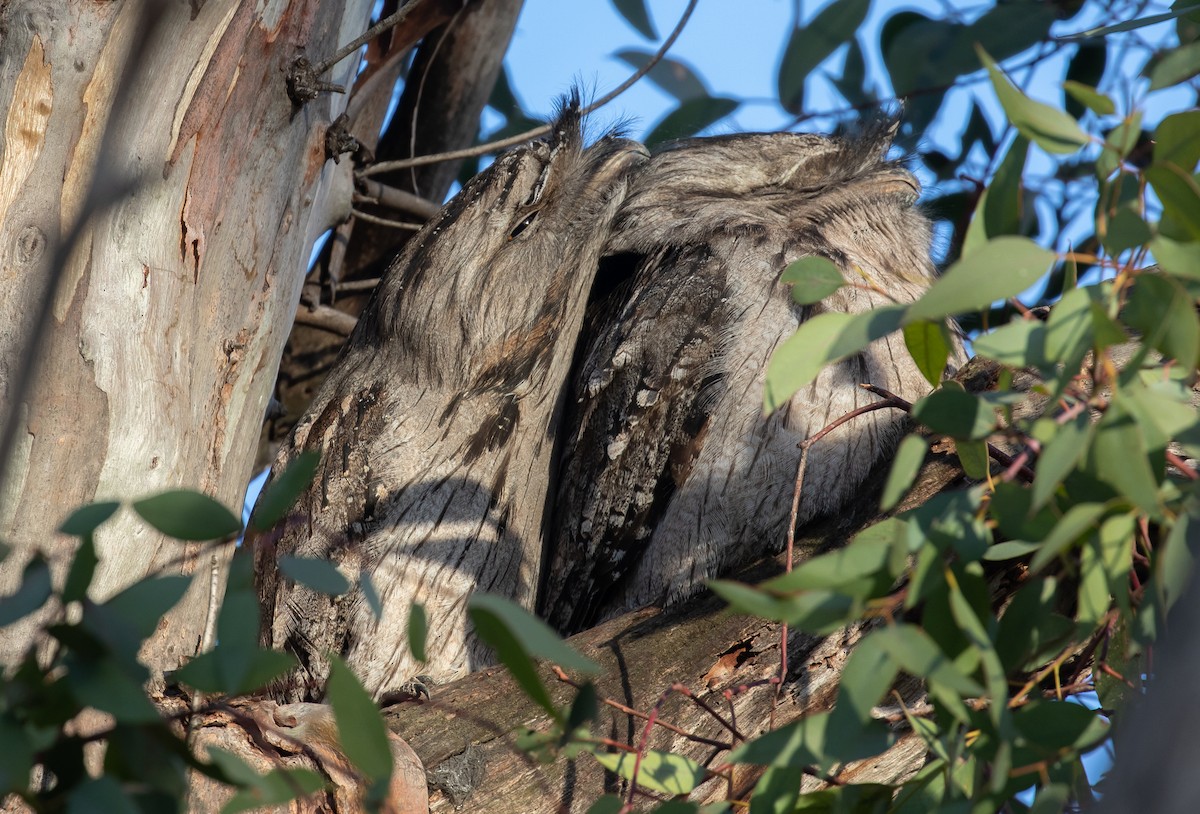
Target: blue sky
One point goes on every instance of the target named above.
(557, 43)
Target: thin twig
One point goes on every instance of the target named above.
(398, 199)
(1003, 458)
(687, 693)
(327, 319)
(352, 286)
(346, 50)
(617, 705)
(537, 132)
(395, 224)
(888, 400)
(1182, 465)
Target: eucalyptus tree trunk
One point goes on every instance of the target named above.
(176, 298)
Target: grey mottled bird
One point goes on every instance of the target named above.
(671, 474)
(436, 427)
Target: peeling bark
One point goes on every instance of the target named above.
(177, 299)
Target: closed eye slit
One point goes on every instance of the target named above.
(520, 227)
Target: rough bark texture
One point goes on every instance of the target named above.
(672, 475)
(177, 299)
(437, 426)
(641, 654)
(444, 95)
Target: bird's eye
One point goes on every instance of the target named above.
(523, 225)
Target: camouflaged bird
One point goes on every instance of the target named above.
(436, 426)
(671, 473)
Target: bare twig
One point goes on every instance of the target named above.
(617, 705)
(1003, 458)
(327, 319)
(356, 285)
(521, 138)
(398, 199)
(395, 224)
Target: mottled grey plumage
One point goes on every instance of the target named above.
(671, 474)
(436, 426)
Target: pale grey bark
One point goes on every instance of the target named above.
(177, 299)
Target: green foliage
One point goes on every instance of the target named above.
(1091, 532)
(187, 515)
(279, 495)
(360, 728)
(1054, 571)
(92, 663)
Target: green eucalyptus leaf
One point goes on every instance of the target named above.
(109, 686)
(1162, 310)
(275, 788)
(1090, 98)
(187, 515)
(234, 670)
(905, 466)
(868, 674)
(145, 602)
(1069, 333)
(1031, 629)
(866, 556)
(1010, 550)
(1177, 141)
(281, 492)
(1080, 519)
(361, 730)
(798, 744)
(1002, 209)
(1001, 268)
(584, 708)
(1179, 193)
(663, 772)
(1093, 599)
(1051, 799)
(913, 651)
(1126, 230)
(812, 43)
(956, 413)
(777, 791)
(535, 636)
(673, 76)
(1052, 129)
(237, 623)
(1060, 455)
(16, 758)
(634, 12)
(1020, 343)
(825, 338)
(1177, 259)
(812, 278)
(99, 795)
(928, 343)
(973, 455)
(1130, 25)
(1177, 65)
(1118, 456)
(608, 804)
